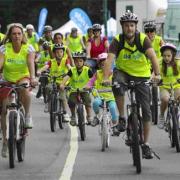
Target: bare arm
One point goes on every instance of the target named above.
(107, 65)
(1, 61)
(106, 44)
(88, 50)
(82, 44)
(70, 56)
(30, 64)
(152, 56)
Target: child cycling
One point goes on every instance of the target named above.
(96, 81)
(170, 72)
(58, 66)
(78, 77)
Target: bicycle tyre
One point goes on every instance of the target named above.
(175, 130)
(60, 114)
(12, 137)
(135, 143)
(21, 142)
(154, 107)
(108, 133)
(53, 109)
(81, 121)
(103, 134)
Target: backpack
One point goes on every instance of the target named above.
(137, 42)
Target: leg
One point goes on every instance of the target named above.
(96, 103)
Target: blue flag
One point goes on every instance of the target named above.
(79, 17)
(42, 21)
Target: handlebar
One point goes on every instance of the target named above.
(14, 86)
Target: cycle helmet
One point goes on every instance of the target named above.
(58, 46)
(129, 17)
(150, 26)
(79, 55)
(168, 46)
(102, 57)
(47, 28)
(74, 29)
(29, 26)
(96, 27)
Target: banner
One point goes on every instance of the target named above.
(42, 21)
(79, 17)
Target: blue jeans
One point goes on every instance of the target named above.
(111, 105)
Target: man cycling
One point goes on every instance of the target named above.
(132, 64)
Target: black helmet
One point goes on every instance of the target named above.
(58, 46)
(96, 27)
(47, 28)
(168, 46)
(128, 17)
(150, 25)
(81, 54)
(45, 44)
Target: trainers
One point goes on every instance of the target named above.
(46, 108)
(4, 150)
(161, 122)
(146, 151)
(95, 121)
(122, 124)
(38, 95)
(115, 131)
(28, 122)
(66, 117)
(73, 121)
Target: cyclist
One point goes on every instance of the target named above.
(88, 36)
(156, 41)
(17, 65)
(96, 46)
(130, 49)
(74, 41)
(58, 39)
(40, 61)
(78, 77)
(32, 37)
(96, 81)
(58, 66)
(170, 72)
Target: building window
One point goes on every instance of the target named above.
(129, 8)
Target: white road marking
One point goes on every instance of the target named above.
(70, 161)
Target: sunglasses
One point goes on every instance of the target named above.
(149, 30)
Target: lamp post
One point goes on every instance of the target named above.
(105, 16)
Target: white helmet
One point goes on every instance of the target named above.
(29, 26)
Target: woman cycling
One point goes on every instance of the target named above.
(17, 65)
(96, 46)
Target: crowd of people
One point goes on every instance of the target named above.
(86, 62)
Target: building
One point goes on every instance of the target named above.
(144, 9)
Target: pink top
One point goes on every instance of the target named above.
(96, 50)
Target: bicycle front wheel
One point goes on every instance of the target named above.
(135, 143)
(175, 131)
(81, 121)
(12, 137)
(21, 142)
(53, 110)
(60, 114)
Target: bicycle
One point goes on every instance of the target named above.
(172, 124)
(80, 111)
(56, 105)
(134, 128)
(15, 131)
(104, 120)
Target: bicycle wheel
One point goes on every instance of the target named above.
(60, 114)
(12, 137)
(175, 130)
(169, 128)
(135, 143)
(81, 121)
(53, 110)
(154, 107)
(103, 134)
(108, 132)
(21, 142)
